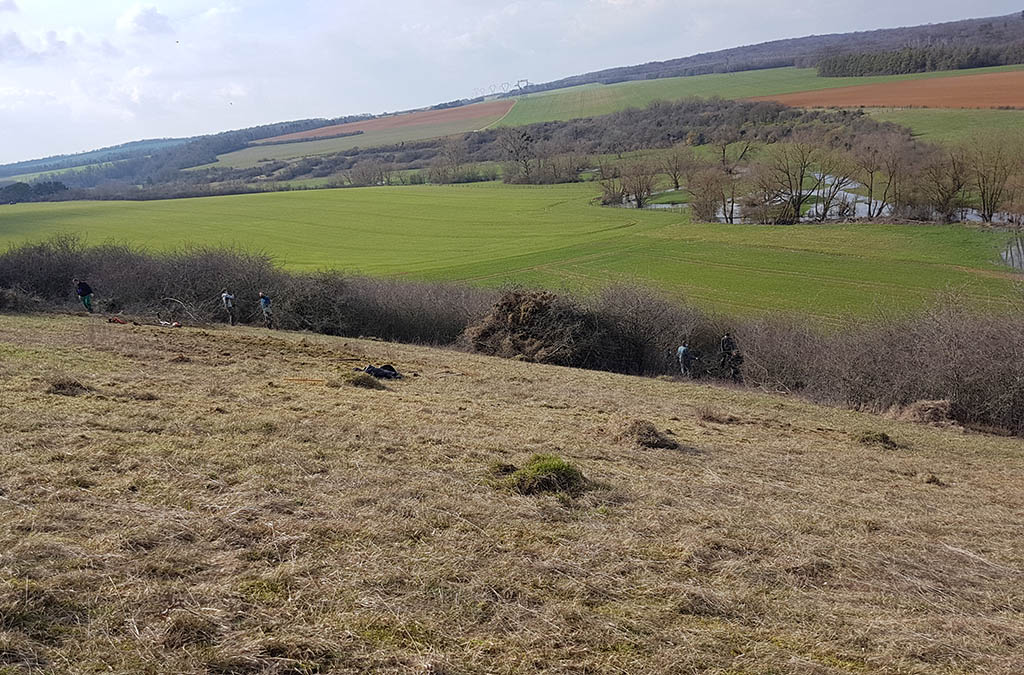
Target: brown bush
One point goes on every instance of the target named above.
(544, 328)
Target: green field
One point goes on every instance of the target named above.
(594, 99)
(943, 126)
(492, 234)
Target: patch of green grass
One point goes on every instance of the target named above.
(596, 99)
(943, 126)
(543, 474)
(554, 237)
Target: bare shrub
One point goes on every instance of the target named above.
(649, 326)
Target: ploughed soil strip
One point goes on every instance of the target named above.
(481, 111)
(994, 90)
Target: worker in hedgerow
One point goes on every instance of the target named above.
(228, 300)
(727, 346)
(84, 293)
(268, 313)
(685, 356)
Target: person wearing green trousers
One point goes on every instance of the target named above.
(84, 293)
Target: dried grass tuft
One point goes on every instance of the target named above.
(880, 439)
(709, 414)
(643, 433)
(67, 386)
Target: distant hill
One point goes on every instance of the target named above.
(162, 160)
(805, 51)
(109, 154)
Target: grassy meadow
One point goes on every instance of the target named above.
(553, 236)
(225, 501)
(944, 126)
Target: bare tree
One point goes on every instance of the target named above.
(638, 179)
(943, 181)
(610, 179)
(992, 159)
(677, 162)
(517, 144)
(837, 170)
(791, 168)
(707, 187)
(880, 159)
(731, 150)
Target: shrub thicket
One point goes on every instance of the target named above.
(972, 362)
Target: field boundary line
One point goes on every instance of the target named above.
(508, 112)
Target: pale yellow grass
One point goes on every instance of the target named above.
(197, 511)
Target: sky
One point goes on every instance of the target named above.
(77, 75)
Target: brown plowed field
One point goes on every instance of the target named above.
(994, 90)
(485, 112)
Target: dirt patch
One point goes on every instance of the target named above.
(991, 90)
(481, 111)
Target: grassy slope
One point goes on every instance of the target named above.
(492, 234)
(212, 515)
(589, 100)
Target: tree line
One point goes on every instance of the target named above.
(820, 174)
(921, 59)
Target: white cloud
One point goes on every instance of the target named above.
(75, 75)
(139, 20)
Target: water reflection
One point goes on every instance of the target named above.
(1014, 254)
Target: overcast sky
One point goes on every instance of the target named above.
(77, 75)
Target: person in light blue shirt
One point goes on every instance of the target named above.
(685, 356)
(268, 313)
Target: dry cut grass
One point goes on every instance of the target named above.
(237, 511)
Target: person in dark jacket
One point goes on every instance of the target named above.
(84, 293)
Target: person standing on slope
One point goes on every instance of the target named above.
(84, 293)
(268, 313)
(228, 299)
(685, 356)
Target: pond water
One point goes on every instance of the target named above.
(1014, 254)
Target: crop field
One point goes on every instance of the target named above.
(384, 131)
(990, 90)
(226, 501)
(477, 112)
(589, 100)
(552, 236)
(941, 126)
